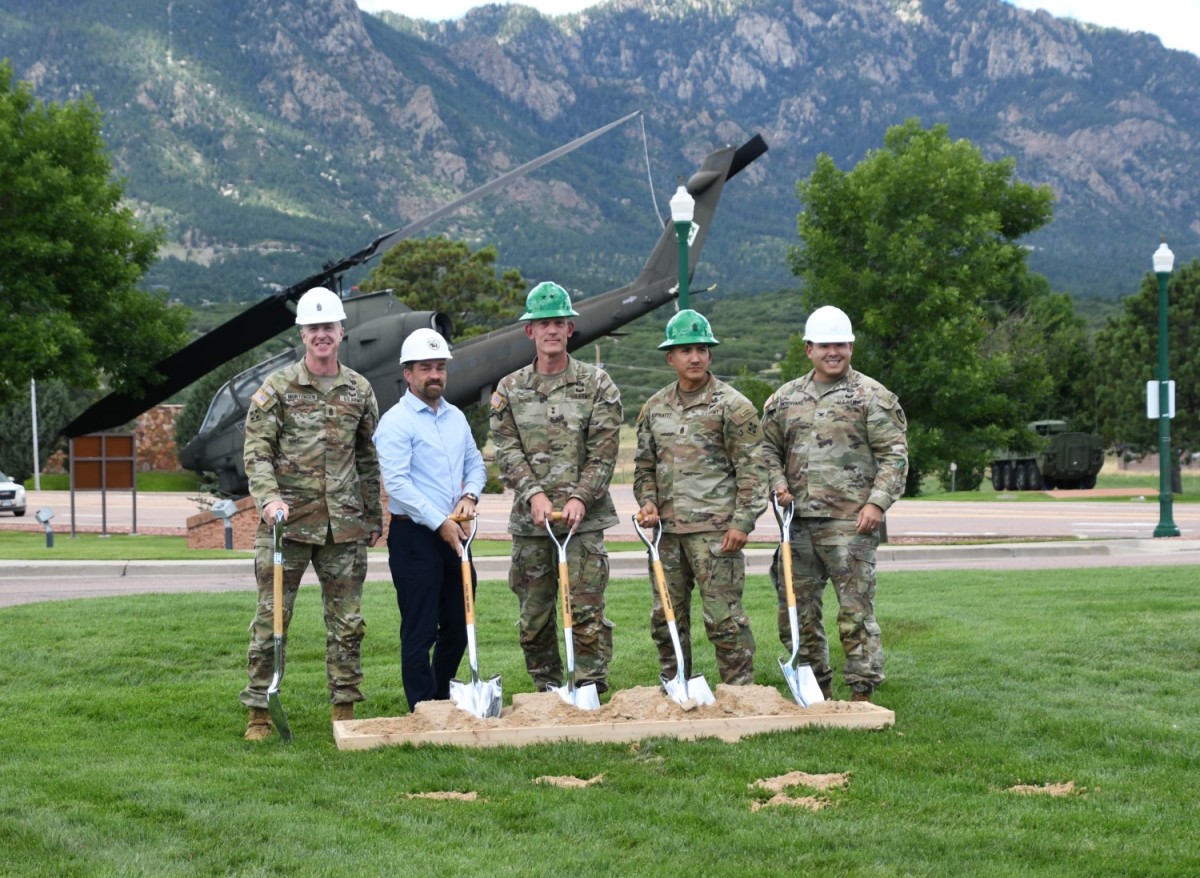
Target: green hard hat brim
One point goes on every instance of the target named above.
(683, 341)
(546, 315)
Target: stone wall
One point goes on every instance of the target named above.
(207, 531)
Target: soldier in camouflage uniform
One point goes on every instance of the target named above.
(309, 453)
(699, 471)
(555, 426)
(834, 443)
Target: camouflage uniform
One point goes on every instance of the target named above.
(558, 434)
(837, 448)
(313, 450)
(700, 463)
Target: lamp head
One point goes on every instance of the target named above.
(44, 515)
(1164, 259)
(224, 508)
(683, 206)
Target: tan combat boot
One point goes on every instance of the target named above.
(343, 710)
(260, 724)
(861, 695)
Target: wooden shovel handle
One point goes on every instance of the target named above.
(564, 586)
(660, 581)
(277, 614)
(468, 592)
(785, 563)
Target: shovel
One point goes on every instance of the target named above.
(274, 705)
(477, 697)
(584, 697)
(688, 692)
(800, 678)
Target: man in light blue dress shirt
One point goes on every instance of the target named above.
(432, 469)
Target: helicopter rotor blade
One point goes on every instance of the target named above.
(271, 316)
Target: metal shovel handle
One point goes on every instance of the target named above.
(464, 565)
(564, 574)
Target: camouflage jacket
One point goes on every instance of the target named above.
(838, 449)
(557, 434)
(313, 450)
(700, 463)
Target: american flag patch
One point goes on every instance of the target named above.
(497, 400)
(260, 397)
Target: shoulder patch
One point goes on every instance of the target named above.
(263, 397)
(770, 401)
(498, 400)
(744, 413)
(888, 400)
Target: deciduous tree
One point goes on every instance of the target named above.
(72, 255)
(919, 245)
(443, 275)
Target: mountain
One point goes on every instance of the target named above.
(271, 136)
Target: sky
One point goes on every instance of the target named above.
(1175, 22)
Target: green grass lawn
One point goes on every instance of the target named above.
(122, 749)
(146, 481)
(1148, 482)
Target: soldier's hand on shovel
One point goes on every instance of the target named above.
(783, 496)
(647, 516)
(273, 507)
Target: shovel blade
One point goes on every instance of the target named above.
(584, 697)
(693, 692)
(802, 682)
(478, 698)
(274, 705)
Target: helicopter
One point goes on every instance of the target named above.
(377, 324)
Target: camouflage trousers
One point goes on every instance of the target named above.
(533, 577)
(828, 549)
(696, 561)
(341, 569)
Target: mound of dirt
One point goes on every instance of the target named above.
(641, 703)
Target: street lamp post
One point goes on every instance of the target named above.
(683, 207)
(1164, 262)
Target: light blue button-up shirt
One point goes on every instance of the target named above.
(429, 459)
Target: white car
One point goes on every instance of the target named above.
(12, 496)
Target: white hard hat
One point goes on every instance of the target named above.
(828, 325)
(424, 344)
(319, 305)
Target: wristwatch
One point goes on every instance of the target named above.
(474, 498)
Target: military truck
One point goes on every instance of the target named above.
(1060, 459)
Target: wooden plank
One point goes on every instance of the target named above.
(357, 734)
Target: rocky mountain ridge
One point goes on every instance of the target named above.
(270, 136)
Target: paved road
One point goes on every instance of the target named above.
(1132, 516)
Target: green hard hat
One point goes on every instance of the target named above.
(548, 299)
(688, 327)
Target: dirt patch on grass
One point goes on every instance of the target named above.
(797, 779)
(1046, 789)
(444, 795)
(800, 779)
(568, 782)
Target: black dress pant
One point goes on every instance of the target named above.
(427, 576)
